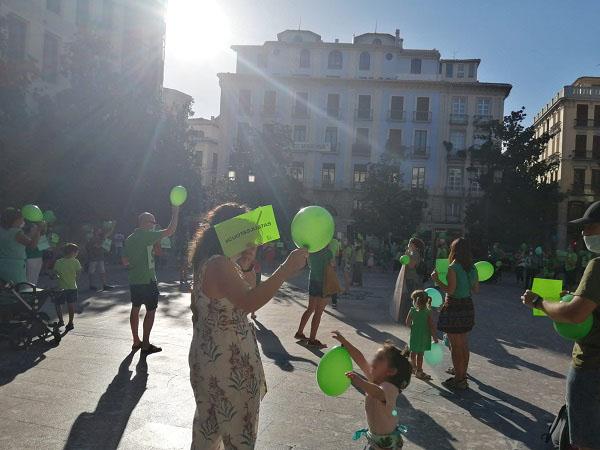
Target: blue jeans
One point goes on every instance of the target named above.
(583, 407)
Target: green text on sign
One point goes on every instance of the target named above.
(256, 227)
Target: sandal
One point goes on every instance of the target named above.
(452, 384)
(422, 375)
(316, 343)
(151, 349)
(451, 371)
(300, 336)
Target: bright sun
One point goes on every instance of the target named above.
(196, 29)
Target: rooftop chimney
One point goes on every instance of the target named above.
(397, 36)
(337, 41)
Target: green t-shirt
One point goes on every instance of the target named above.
(334, 246)
(138, 251)
(586, 352)
(317, 262)
(67, 270)
(359, 255)
(464, 280)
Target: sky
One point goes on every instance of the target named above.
(538, 46)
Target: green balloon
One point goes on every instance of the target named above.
(32, 213)
(49, 216)
(54, 238)
(485, 270)
(178, 195)
(574, 331)
(404, 260)
(312, 228)
(436, 297)
(331, 373)
(434, 356)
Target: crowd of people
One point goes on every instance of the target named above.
(226, 371)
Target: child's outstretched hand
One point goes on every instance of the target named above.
(354, 377)
(338, 337)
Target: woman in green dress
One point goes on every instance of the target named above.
(13, 243)
(421, 331)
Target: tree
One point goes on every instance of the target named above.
(519, 203)
(387, 208)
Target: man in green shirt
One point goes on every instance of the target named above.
(583, 381)
(139, 258)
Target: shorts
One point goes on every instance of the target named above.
(93, 265)
(144, 294)
(457, 316)
(583, 407)
(315, 288)
(68, 296)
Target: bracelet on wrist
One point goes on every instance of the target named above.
(537, 303)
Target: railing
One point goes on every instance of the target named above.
(300, 113)
(577, 92)
(422, 116)
(459, 119)
(396, 115)
(364, 114)
(455, 191)
(333, 112)
(579, 154)
(395, 147)
(310, 147)
(457, 155)
(587, 123)
(482, 119)
(269, 111)
(419, 152)
(361, 149)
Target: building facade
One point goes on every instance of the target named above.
(572, 118)
(205, 139)
(347, 104)
(38, 32)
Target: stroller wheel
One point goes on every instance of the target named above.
(20, 339)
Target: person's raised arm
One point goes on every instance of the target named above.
(355, 353)
(30, 241)
(575, 311)
(372, 389)
(222, 279)
(170, 230)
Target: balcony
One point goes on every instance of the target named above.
(555, 128)
(419, 152)
(422, 116)
(579, 188)
(310, 147)
(579, 154)
(583, 93)
(300, 113)
(364, 114)
(395, 148)
(455, 191)
(587, 123)
(268, 111)
(361, 149)
(333, 112)
(457, 155)
(459, 119)
(396, 115)
(482, 119)
(452, 219)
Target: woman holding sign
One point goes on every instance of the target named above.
(457, 315)
(226, 372)
(408, 280)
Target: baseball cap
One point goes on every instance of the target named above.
(591, 215)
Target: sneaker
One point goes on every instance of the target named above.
(69, 327)
(61, 323)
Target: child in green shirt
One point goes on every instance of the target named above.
(67, 269)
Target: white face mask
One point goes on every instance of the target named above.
(592, 242)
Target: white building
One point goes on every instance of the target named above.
(205, 138)
(347, 103)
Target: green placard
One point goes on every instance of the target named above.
(441, 267)
(256, 227)
(549, 290)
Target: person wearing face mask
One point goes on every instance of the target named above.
(583, 380)
(13, 243)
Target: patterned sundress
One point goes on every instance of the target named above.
(226, 374)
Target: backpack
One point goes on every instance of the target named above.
(558, 432)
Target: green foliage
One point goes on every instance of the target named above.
(388, 208)
(519, 203)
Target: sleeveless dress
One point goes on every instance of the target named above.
(12, 256)
(420, 334)
(226, 374)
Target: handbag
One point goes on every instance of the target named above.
(331, 285)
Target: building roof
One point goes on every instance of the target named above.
(475, 60)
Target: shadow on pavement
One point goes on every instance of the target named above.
(16, 362)
(273, 349)
(103, 428)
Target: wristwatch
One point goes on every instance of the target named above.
(537, 303)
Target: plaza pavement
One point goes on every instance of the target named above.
(91, 392)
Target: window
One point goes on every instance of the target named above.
(474, 174)
(460, 71)
(362, 136)
(484, 106)
(596, 148)
(580, 145)
(364, 61)
(304, 58)
(459, 105)
(331, 138)
(245, 97)
(53, 5)
(376, 41)
(107, 12)
(364, 107)
(334, 61)
(597, 116)
(452, 211)
(479, 140)
(420, 144)
(458, 139)
(455, 179)
(231, 175)
(449, 70)
(389, 56)
(422, 112)
(301, 104)
(397, 108)
(50, 58)
(360, 175)
(199, 158)
(418, 178)
(17, 38)
(415, 65)
(215, 162)
(82, 15)
(578, 180)
(297, 171)
(261, 60)
(243, 134)
(471, 70)
(357, 204)
(595, 180)
(395, 140)
(299, 133)
(270, 102)
(328, 175)
(581, 116)
(333, 105)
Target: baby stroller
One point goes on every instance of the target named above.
(21, 320)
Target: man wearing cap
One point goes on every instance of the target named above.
(138, 256)
(583, 380)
